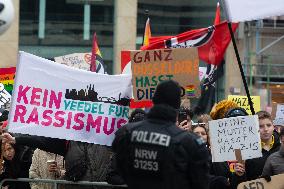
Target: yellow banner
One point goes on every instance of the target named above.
(242, 101)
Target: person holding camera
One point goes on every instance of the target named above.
(184, 121)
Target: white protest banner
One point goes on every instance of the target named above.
(57, 101)
(246, 10)
(5, 96)
(229, 134)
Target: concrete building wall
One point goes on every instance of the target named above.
(125, 19)
(233, 80)
(9, 41)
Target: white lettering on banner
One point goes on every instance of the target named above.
(152, 138)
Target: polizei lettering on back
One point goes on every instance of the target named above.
(151, 138)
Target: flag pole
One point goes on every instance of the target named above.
(238, 59)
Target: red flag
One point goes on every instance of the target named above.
(211, 42)
(97, 63)
(213, 51)
(217, 15)
(94, 50)
(188, 39)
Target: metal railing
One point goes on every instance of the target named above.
(264, 70)
(56, 182)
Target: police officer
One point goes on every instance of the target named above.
(155, 153)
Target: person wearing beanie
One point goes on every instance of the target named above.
(137, 115)
(168, 93)
(155, 153)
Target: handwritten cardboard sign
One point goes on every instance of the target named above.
(229, 134)
(153, 66)
(76, 60)
(242, 101)
(275, 183)
(58, 101)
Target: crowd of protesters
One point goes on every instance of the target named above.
(158, 148)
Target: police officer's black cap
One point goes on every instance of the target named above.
(168, 92)
(235, 112)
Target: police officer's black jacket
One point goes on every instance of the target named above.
(155, 153)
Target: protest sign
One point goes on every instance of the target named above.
(277, 110)
(275, 183)
(153, 66)
(242, 101)
(81, 61)
(277, 114)
(280, 111)
(76, 60)
(229, 134)
(57, 101)
(7, 76)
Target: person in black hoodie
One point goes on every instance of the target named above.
(270, 143)
(155, 153)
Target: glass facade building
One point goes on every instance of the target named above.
(50, 28)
